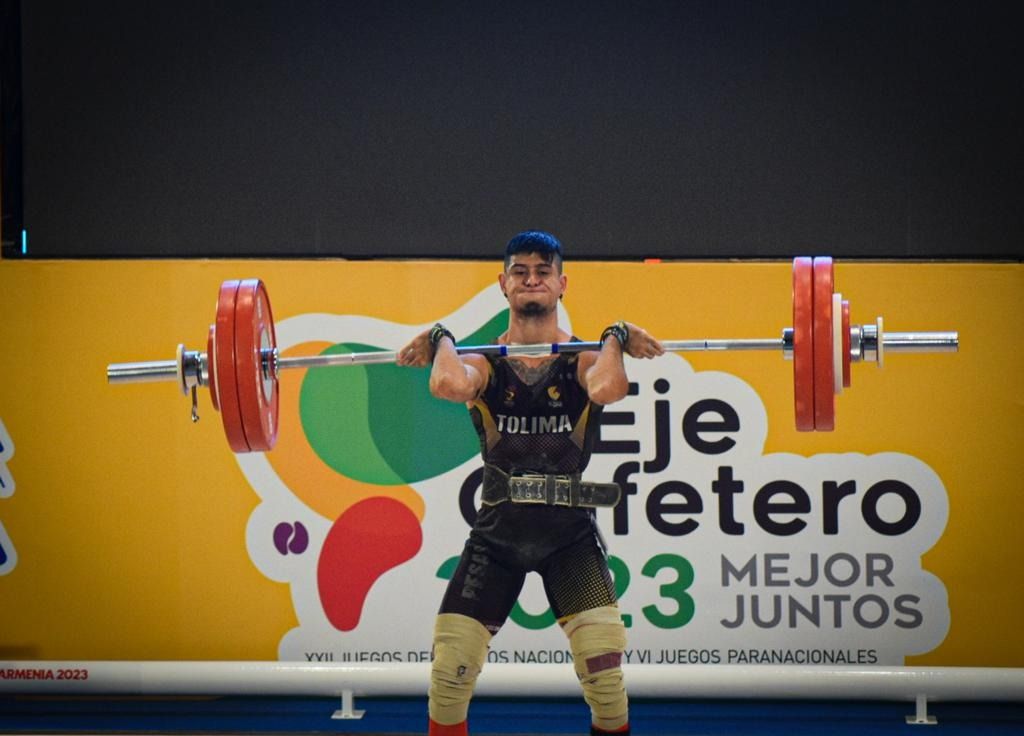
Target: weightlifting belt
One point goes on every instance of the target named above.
(548, 489)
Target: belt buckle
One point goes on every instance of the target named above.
(561, 494)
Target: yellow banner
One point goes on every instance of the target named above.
(128, 532)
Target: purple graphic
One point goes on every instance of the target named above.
(289, 538)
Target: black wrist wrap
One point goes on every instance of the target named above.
(437, 332)
(619, 331)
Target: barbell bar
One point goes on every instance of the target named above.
(241, 363)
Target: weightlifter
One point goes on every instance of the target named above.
(537, 418)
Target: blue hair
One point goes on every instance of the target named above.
(546, 245)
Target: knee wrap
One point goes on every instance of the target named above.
(597, 639)
(460, 650)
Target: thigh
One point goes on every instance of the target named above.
(577, 578)
(482, 587)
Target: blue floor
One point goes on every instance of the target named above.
(294, 715)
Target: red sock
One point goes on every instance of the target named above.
(620, 731)
(457, 729)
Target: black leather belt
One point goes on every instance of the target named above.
(548, 489)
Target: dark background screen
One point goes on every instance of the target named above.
(413, 129)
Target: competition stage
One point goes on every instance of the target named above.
(293, 698)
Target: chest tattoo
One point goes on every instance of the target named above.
(530, 374)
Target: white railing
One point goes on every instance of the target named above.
(971, 684)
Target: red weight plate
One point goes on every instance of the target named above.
(257, 392)
(211, 357)
(824, 365)
(837, 344)
(846, 344)
(803, 343)
(224, 367)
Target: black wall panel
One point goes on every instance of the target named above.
(407, 129)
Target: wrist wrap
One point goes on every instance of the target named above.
(619, 331)
(437, 332)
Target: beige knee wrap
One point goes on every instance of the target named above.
(597, 639)
(460, 650)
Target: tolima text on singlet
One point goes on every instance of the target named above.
(545, 427)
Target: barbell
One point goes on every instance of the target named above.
(242, 362)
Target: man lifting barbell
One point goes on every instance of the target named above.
(537, 514)
(531, 473)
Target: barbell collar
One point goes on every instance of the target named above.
(856, 344)
(189, 369)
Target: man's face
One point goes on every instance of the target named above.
(532, 285)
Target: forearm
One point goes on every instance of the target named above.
(606, 379)
(450, 378)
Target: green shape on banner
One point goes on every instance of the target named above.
(379, 424)
(335, 412)
(419, 436)
(448, 568)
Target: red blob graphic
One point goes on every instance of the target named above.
(365, 542)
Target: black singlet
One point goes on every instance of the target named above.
(545, 426)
